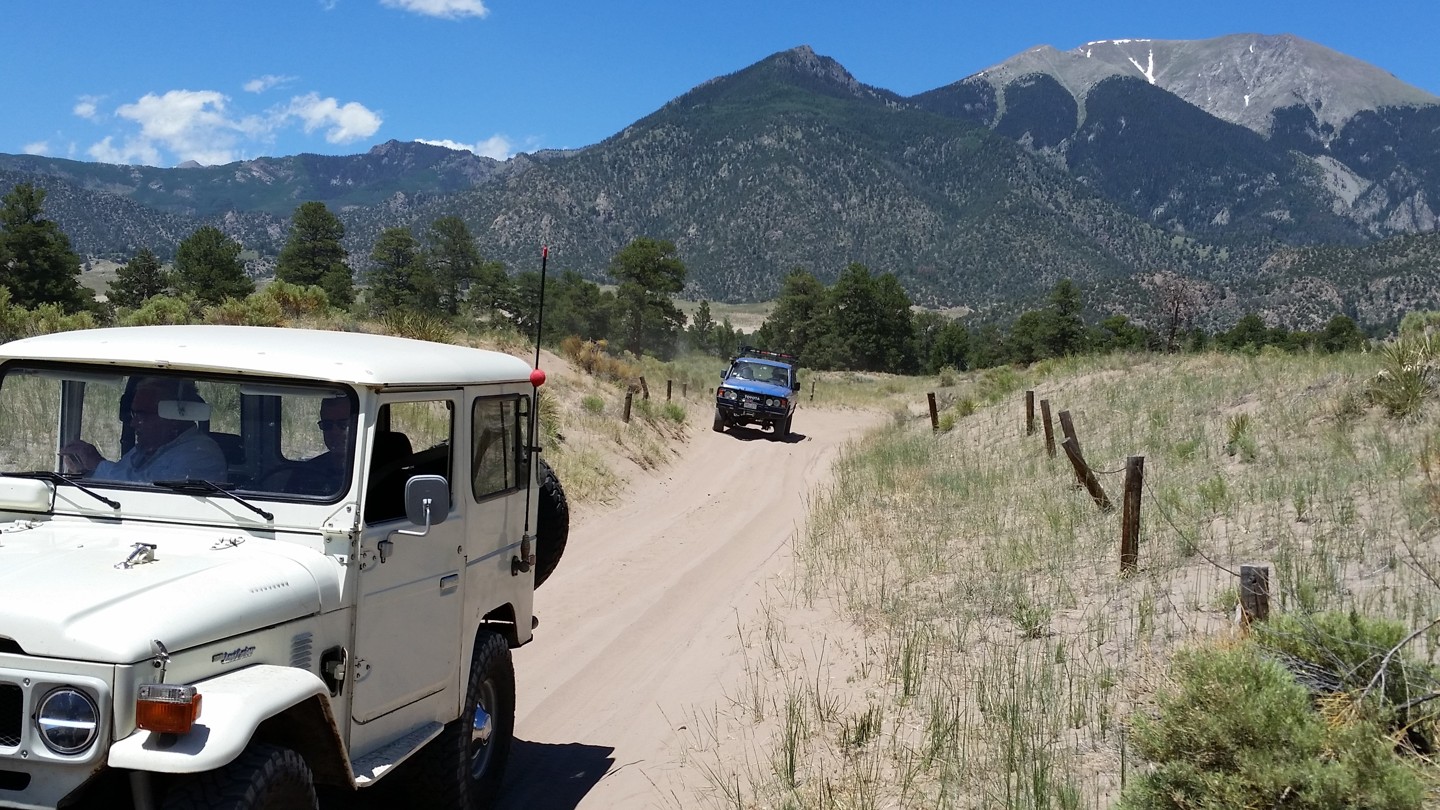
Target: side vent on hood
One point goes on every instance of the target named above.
(301, 650)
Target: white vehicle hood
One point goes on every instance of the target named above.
(66, 593)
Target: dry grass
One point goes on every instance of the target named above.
(989, 653)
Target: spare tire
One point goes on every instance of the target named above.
(552, 524)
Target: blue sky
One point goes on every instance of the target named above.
(164, 81)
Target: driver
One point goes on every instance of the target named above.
(165, 448)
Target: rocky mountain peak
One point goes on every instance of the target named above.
(1240, 78)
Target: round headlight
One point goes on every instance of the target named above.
(68, 720)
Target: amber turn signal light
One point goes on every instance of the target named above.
(166, 708)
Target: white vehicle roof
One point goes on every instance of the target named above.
(345, 357)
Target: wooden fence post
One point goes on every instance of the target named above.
(684, 390)
(628, 395)
(1130, 515)
(1086, 475)
(934, 414)
(644, 389)
(812, 390)
(1029, 413)
(1049, 428)
(668, 385)
(1254, 594)
(1068, 428)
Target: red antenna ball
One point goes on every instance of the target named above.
(537, 378)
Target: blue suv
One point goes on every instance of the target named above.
(759, 388)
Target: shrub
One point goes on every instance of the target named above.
(160, 310)
(252, 310)
(1408, 376)
(1343, 652)
(296, 301)
(418, 325)
(592, 403)
(1236, 730)
(673, 411)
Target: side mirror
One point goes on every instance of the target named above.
(427, 500)
(723, 375)
(795, 384)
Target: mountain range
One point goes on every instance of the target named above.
(1270, 173)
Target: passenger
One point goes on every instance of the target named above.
(325, 473)
(166, 447)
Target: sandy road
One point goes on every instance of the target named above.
(638, 624)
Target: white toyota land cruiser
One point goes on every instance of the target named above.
(240, 564)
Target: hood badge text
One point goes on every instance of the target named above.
(232, 656)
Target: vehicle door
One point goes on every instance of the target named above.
(410, 589)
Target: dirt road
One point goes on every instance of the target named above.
(638, 625)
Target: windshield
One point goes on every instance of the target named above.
(107, 427)
(761, 372)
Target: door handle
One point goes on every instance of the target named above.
(449, 581)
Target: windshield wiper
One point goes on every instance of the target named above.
(57, 478)
(201, 485)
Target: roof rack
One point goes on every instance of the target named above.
(751, 351)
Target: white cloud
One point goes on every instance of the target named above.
(86, 107)
(447, 9)
(36, 148)
(200, 125)
(343, 123)
(496, 146)
(262, 83)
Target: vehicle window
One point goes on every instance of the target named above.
(133, 427)
(412, 438)
(499, 428)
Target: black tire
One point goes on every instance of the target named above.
(464, 768)
(263, 777)
(552, 524)
(719, 425)
(785, 430)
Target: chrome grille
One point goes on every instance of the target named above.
(12, 714)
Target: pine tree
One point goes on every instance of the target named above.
(453, 259)
(137, 281)
(36, 261)
(398, 279)
(649, 273)
(208, 266)
(314, 256)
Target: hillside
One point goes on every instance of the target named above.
(1094, 164)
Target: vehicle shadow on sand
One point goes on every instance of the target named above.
(552, 775)
(747, 434)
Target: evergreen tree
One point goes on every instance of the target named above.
(1249, 331)
(582, 308)
(952, 348)
(490, 288)
(797, 314)
(869, 321)
(314, 256)
(649, 273)
(137, 281)
(1342, 335)
(397, 277)
(453, 259)
(701, 331)
(37, 264)
(1028, 338)
(1065, 331)
(208, 266)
